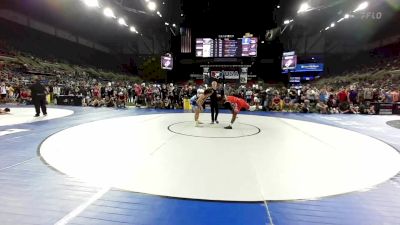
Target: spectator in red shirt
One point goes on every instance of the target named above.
(343, 95)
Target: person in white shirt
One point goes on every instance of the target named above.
(3, 93)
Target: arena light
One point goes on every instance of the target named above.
(346, 16)
(327, 28)
(173, 25)
(361, 7)
(286, 22)
(304, 8)
(152, 6)
(341, 19)
(92, 3)
(333, 25)
(278, 6)
(132, 29)
(166, 24)
(122, 22)
(109, 13)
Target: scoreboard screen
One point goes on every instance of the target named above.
(226, 47)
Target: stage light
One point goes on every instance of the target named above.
(332, 25)
(181, 14)
(174, 25)
(92, 3)
(121, 21)
(304, 8)
(361, 7)
(109, 13)
(132, 29)
(166, 24)
(327, 28)
(286, 22)
(341, 19)
(152, 6)
(278, 6)
(346, 16)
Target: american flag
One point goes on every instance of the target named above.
(186, 40)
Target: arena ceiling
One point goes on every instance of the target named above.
(211, 17)
(74, 16)
(364, 24)
(228, 17)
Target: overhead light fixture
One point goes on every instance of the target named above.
(361, 7)
(151, 5)
(174, 25)
(133, 29)
(341, 19)
(92, 3)
(109, 13)
(346, 16)
(332, 25)
(278, 6)
(121, 21)
(286, 22)
(327, 28)
(166, 24)
(181, 14)
(163, 3)
(304, 8)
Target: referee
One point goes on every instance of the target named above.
(38, 93)
(215, 97)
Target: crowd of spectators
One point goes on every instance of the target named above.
(351, 93)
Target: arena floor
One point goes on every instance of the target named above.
(140, 166)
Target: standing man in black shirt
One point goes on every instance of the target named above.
(215, 97)
(38, 93)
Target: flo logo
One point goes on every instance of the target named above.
(371, 15)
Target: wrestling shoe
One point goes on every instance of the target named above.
(228, 127)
